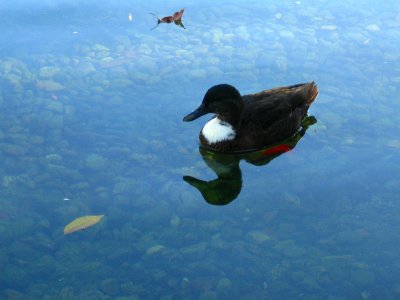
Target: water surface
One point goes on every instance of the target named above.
(91, 123)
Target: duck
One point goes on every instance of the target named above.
(252, 122)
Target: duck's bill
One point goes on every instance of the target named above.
(200, 111)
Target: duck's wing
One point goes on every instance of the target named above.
(267, 107)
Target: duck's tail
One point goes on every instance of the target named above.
(312, 93)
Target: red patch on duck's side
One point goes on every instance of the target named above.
(279, 149)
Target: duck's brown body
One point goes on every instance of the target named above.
(258, 120)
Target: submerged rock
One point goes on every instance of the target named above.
(155, 249)
(328, 27)
(100, 48)
(55, 107)
(96, 161)
(259, 236)
(224, 285)
(394, 143)
(49, 71)
(85, 68)
(109, 286)
(175, 221)
(198, 73)
(13, 294)
(287, 34)
(372, 27)
(49, 85)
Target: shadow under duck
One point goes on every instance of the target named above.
(251, 122)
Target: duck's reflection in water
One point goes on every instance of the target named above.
(228, 184)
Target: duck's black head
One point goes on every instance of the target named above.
(223, 100)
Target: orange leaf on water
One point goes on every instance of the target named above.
(82, 223)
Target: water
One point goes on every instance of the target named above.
(91, 123)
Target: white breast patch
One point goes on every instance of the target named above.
(217, 131)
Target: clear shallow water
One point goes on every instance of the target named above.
(91, 110)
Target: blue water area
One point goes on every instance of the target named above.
(91, 108)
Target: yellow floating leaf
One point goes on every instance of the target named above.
(82, 223)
